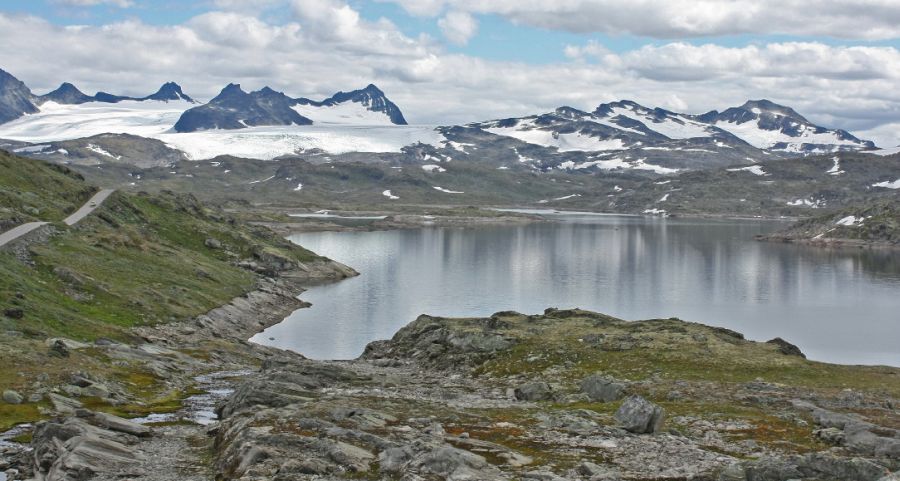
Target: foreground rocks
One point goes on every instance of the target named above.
(541, 398)
(565, 395)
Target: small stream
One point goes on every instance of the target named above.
(200, 408)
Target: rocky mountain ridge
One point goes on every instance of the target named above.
(235, 109)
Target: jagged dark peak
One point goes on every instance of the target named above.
(168, 92)
(234, 108)
(231, 89)
(66, 94)
(16, 98)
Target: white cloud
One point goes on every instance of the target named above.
(458, 27)
(92, 3)
(327, 46)
(865, 19)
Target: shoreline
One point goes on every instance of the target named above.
(402, 221)
(830, 243)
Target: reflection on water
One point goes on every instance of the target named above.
(839, 306)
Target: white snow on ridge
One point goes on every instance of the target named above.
(888, 185)
(433, 168)
(562, 142)
(448, 191)
(851, 220)
(347, 113)
(389, 195)
(671, 128)
(102, 151)
(815, 204)
(753, 169)
(751, 133)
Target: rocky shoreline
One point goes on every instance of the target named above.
(564, 395)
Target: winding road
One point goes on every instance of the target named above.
(87, 208)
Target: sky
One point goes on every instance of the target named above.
(454, 61)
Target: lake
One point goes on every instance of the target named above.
(838, 306)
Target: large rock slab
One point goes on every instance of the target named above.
(640, 416)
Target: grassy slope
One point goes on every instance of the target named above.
(32, 191)
(139, 259)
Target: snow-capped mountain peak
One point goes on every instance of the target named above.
(767, 125)
(369, 106)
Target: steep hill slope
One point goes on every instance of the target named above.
(32, 190)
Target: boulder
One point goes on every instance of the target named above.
(640, 416)
(394, 460)
(113, 423)
(12, 397)
(62, 404)
(535, 391)
(602, 388)
(786, 348)
(213, 243)
(453, 463)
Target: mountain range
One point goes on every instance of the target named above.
(623, 135)
(234, 108)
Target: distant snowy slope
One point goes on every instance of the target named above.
(346, 113)
(759, 124)
(64, 122)
(368, 106)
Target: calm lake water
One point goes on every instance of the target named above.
(836, 305)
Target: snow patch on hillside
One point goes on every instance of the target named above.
(576, 142)
(753, 169)
(673, 128)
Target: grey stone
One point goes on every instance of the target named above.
(535, 391)
(12, 397)
(602, 388)
(63, 404)
(640, 416)
(394, 460)
(733, 472)
(456, 463)
(213, 243)
(113, 423)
